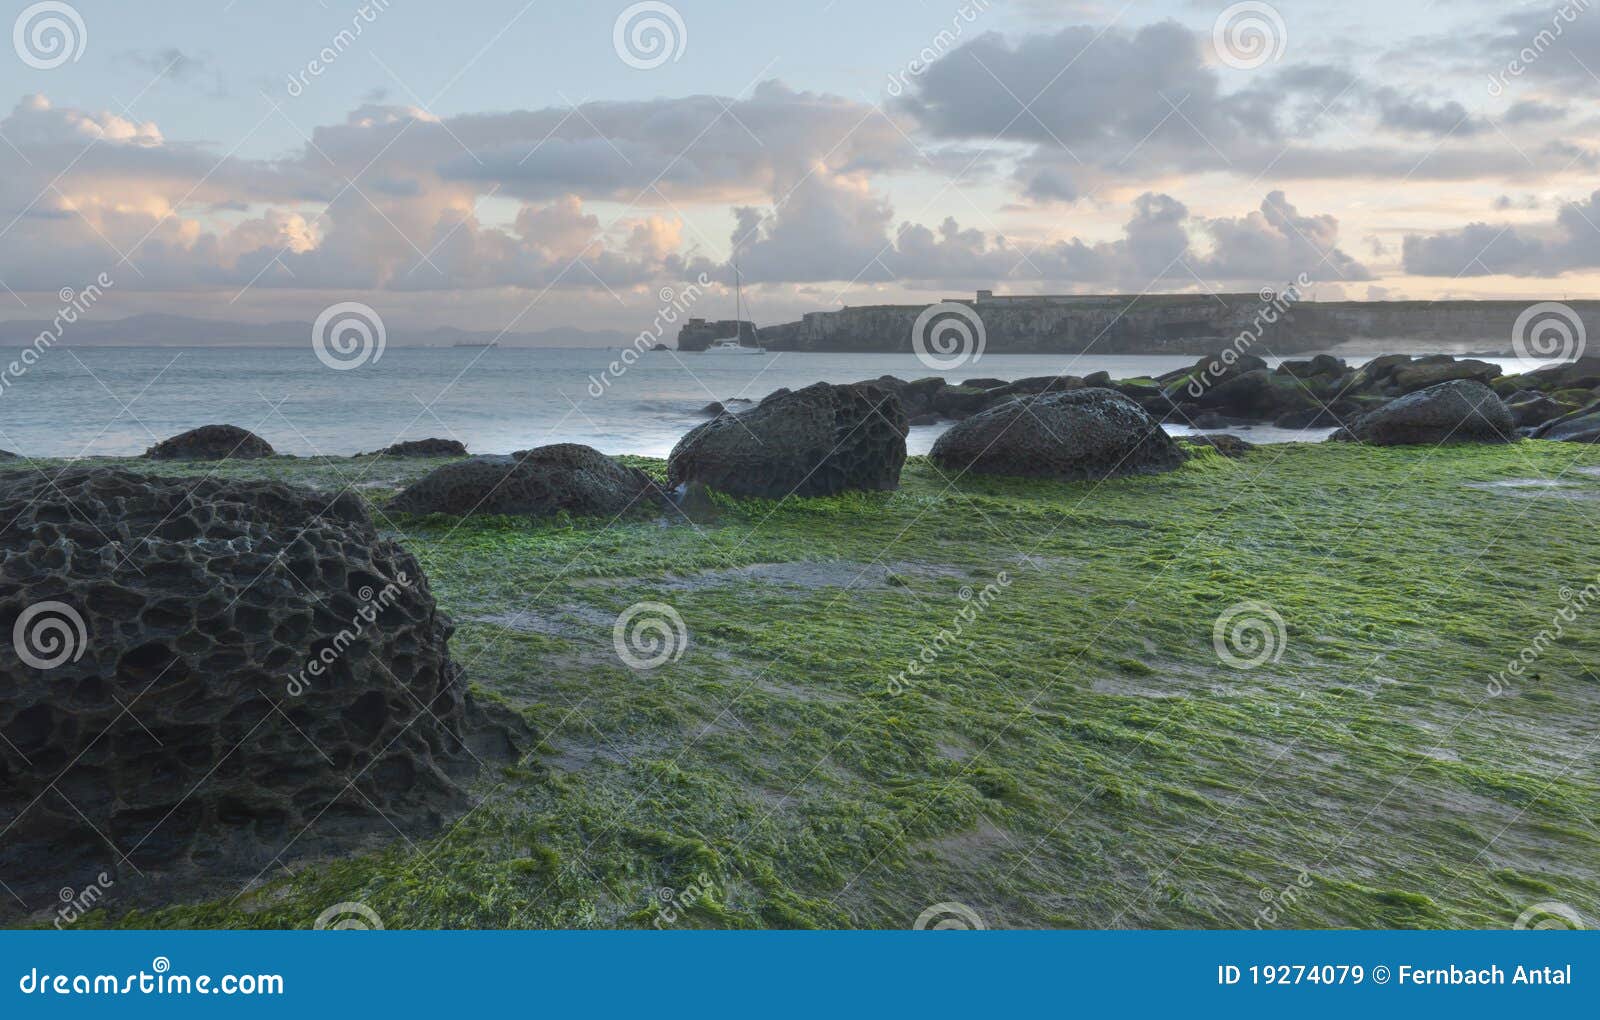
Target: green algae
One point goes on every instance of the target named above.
(1076, 754)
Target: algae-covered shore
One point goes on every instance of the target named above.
(1073, 753)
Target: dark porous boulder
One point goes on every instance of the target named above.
(203, 675)
(984, 384)
(1035, 385)
(1439, 368)
(1209, 371)
(8, 455)
(1582, 374)
(423, 448)
(1460, 411)
(564, 478)
(957, 402)
(1581, 426)
(916, 397)
(1228, 445)
(1255, 395)
(1081, 434)
(1323, 365)
(212, 442)
(1531, 408)
(818, 441)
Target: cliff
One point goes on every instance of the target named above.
(1149, 324)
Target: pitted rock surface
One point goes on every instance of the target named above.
(1081, 434)
(543, 482)
(818, 441)
(1461, 411)
(422, 448)
(212, 442)
(150, 728)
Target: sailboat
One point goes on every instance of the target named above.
(735, 344)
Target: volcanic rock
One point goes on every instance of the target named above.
(1085, 433)
(818, 441)
(212, 442)
(564, 478)
(1461, 411)
(204, 674)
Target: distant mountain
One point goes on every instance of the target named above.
(159, 330)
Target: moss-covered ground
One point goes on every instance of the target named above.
(1078, 756)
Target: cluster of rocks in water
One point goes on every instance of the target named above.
(827, 438)
(1232, 389)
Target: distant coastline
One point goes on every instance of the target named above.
(1144, 324)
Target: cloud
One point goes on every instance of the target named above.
(1276, 240)
(1534, 111)
(1545, 43)
(1092, 108)
(1569, 243)
(836, 231)
(1411, 115)
(172, 65)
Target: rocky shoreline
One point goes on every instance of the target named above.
(1232, 390)
(198, 600)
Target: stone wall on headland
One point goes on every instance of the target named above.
(1150, 324)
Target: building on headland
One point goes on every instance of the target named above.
(1150, 324)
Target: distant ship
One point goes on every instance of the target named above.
(474, 343)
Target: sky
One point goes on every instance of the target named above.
(520, 166)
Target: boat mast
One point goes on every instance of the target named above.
(738, 323)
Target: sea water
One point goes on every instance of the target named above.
(118, 401)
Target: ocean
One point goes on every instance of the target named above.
(118, 401)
